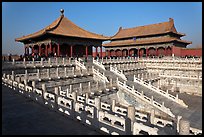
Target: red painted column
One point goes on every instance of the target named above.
(128, 52)
(156, 52)
(101, 52)
(86, 51)
(50, 47)
(46, 50)
(165, 53)
(146, 52)
(109, 54)
(58, 50)
(138, 52)
(96, 51)
(71, 51)
(39, 50)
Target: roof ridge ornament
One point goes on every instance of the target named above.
(62, 11)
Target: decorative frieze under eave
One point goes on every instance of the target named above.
(38, 43)
(139, 47)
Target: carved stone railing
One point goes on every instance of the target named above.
(100, 76)
(161, 92)
(189, 77)
(148, 100)
(118, 72)
(99, 64)
(79, 64)
(120, 60)
(88, 111)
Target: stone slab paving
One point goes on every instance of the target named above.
(22, 116)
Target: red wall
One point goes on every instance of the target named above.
(192, 52)
(176, 51)
(103, 54)
(186, 51)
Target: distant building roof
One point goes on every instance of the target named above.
(64, 27)
(143, 41)
(159, 28)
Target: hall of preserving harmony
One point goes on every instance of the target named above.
(64, 38)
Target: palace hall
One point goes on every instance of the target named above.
(64, 38)
(150, 40)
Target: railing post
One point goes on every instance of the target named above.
(24, 62)
(63, 61)
(70, 88)
(130, 120)
(80, 87)
(33, 84)
(152, 99)
(152, 116)
(65, 72)
(44, 87)
(26, 74)
(56, 61)
(13, 63)
(184, 127)
(98, 103)
(33, 62)
(38, 73)
(89, 86)
(113, 105)
(13, 75)
(41, 62)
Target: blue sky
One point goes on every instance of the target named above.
(22, 18)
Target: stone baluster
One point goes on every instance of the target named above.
(13, 63)
(56, 61)
(70, 88)
(26, 74)
(98, 103)
(152, 116)
(49, 62)
(184, 127)
(44, 87)
(33, 62)
(57, 72)
(33, 84)
(63, 61)
(80, 87)
(131, 120)
(13, 75)
(89, 86)
(113, 105)
(42, 63)
(152, 100)
(38, 73)
(73, 71)
(24, 62)
(86, 97)
(111, 82)
(65, 72)
(48, 73)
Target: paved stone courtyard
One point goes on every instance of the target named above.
(22, 116)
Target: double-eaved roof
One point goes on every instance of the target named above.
(122, 37)
(64, 27)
